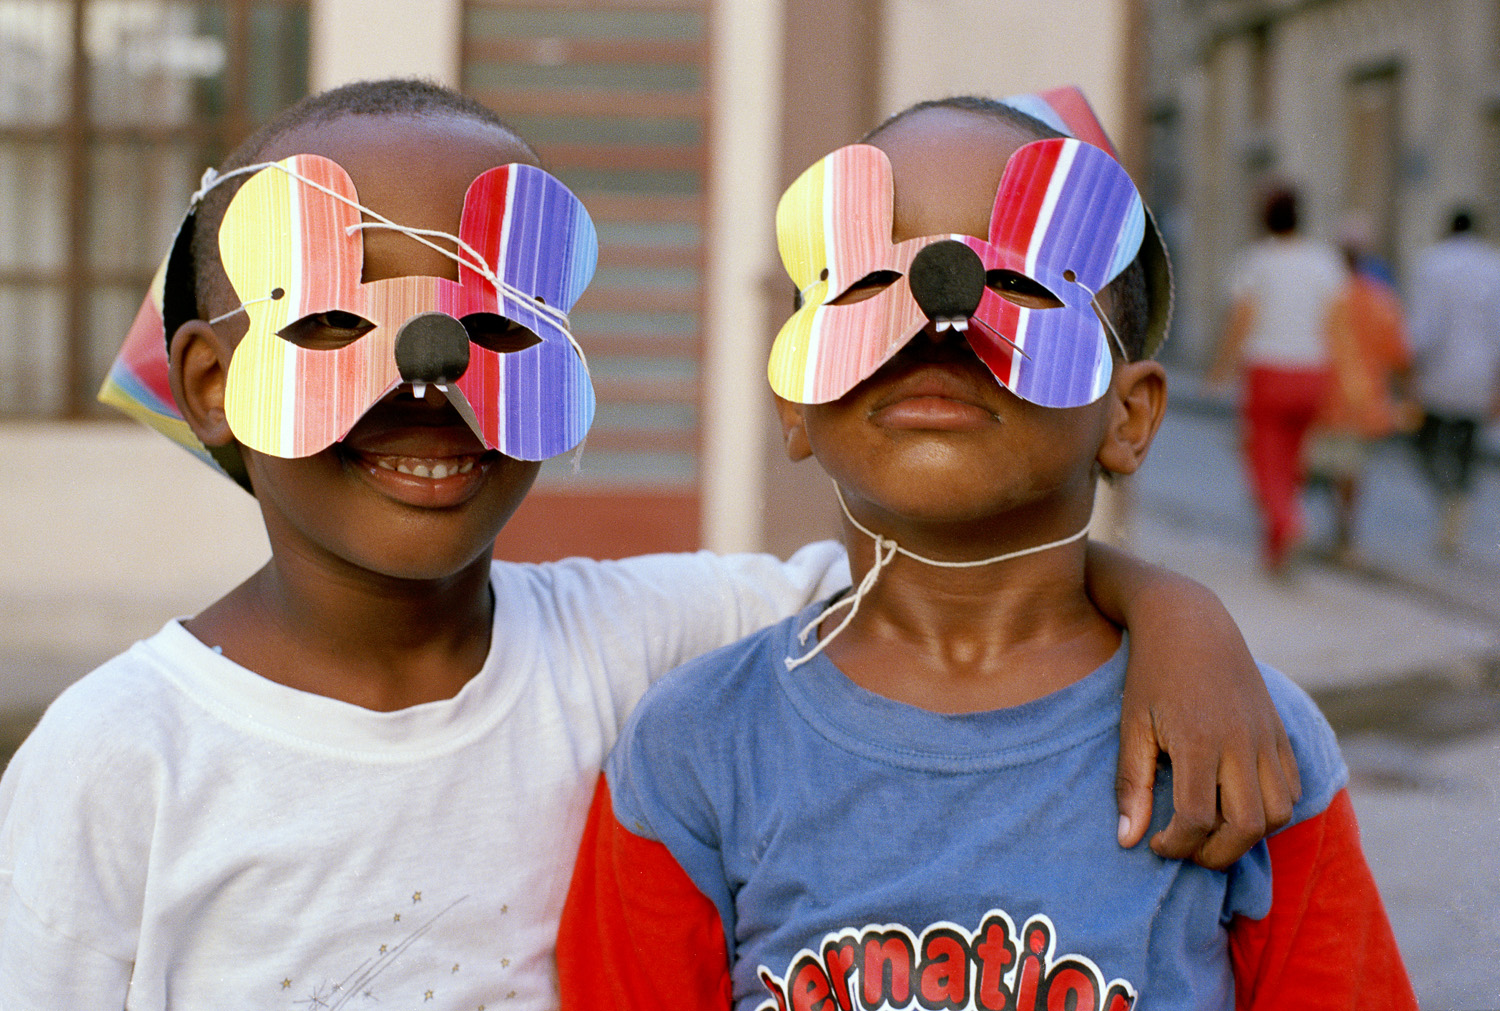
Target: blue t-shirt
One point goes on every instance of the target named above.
(865, 850)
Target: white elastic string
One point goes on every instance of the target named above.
(479, 266)
(475, 262)
(885, 551)
(1019, 350)
(1104, 318)
(211, 178)
(242, 307)
(802, 295)
(957, 565)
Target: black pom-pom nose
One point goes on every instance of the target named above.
(432, 347)
(947, 280)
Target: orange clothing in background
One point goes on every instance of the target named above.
(1367, 347)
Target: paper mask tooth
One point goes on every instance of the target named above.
(419, 390)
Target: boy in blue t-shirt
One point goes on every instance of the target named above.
(887, 801)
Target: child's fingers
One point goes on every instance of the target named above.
(1242, 810)
(1135, 776)
(1278, 794)
(1250, 806)
(1195, 804)
(1287, 759)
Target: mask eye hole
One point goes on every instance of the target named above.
(326, 331)
(496, 333)
(869, 286)
(1021, 290)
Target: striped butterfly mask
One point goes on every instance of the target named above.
(292, 245)
(497, 339)
(1066, 217)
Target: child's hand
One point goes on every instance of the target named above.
(1234, 777)
(1192, 691)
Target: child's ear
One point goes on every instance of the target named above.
(199, 363)
(793, 430)
(1138, 399)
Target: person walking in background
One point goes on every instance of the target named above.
(1370, 362)
(1282, 290)
(1455, 331)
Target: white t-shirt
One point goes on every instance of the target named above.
(180, 832)
(1292, 283)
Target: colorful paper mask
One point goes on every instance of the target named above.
(1066, 216)
(291, 242)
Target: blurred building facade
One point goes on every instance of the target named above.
(108, 113)
(1387, 108)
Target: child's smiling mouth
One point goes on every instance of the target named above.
(418, 452)
(428, 479)
(436, 468)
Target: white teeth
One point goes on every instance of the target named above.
(419, 390)
(418, 468)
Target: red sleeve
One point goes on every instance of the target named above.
(1326, 942)
(636, 932)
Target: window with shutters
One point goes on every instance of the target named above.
(613, 95)
(109, 112)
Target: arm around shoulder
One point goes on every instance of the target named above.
(667, 609)
(1192, 690)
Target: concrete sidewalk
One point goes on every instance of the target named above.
(1334, 631)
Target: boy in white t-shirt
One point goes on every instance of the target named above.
(360, 777)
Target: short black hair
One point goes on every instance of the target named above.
(980, 105)
(1130, 303)
(1280, 213)
(194, 277)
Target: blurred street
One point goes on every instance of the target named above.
(1403, 654)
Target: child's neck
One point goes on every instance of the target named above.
(375, 642)
(968, 640)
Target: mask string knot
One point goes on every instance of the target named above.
(886, 550)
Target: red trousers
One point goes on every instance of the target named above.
(1280, 405)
